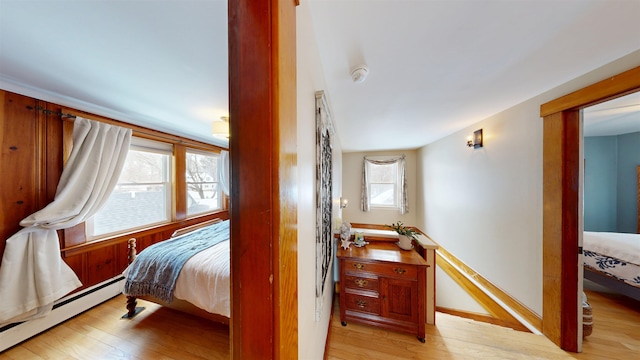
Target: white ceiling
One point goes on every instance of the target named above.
(435, 66)
(614, 117)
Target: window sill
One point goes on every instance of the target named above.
(123, 238)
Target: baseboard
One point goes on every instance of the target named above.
(63, 309)
(326, 344)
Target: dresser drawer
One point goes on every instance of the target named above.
(358, 282)
(354, 267)
(362, 303)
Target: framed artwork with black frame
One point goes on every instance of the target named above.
(324, 201)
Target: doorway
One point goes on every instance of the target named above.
(562, 200)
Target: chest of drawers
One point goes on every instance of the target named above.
(382, 285)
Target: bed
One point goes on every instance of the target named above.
(613, 259)
(202, 283)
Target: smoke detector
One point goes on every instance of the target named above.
(359, 73)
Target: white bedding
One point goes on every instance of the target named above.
(618, 245)
(205, 280)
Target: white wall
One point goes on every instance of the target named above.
(312, 334)
(485, 205)
(352, 184)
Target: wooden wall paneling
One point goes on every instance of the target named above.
(40, 152)
(78, 263)
(145, 241)
(180, 182)
(73, 236)
(121, 254)
(19, 185)
(54, 155)
(101, 264)
(263, 232)
(67, 138)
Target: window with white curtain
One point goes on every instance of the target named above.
(142, 196)
(203, 186)
(384, 184)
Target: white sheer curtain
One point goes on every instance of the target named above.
(365, 202)
(223, 171)
(32, 273)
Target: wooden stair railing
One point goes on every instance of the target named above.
(503, 309)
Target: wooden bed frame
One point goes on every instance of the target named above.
(609, 281)
(177, 304)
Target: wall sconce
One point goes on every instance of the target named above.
(343, 203)
(476, 141)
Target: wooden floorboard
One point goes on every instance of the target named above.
(616, 335)
(161, 333)
(100, 333)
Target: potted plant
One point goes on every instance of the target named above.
(405, 235)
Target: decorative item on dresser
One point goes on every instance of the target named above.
(406, 235)
(383, 286)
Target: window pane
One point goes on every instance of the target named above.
(130, 207)
(383, 194)
(144, 167)
(142, 196)
(203, 190)
(383, 173)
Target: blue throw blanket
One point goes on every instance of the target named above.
(155, 270)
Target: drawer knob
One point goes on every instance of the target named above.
(400, 271)
(361, 303)
(361, 282)
(358, 266)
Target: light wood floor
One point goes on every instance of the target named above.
(155, 334)
(100, 333)
(616, 335)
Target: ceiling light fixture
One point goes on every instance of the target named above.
(359, 73)
(220, 128)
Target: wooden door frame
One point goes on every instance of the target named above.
(562, 196)
(263, 203)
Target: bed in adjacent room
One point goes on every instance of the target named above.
(189, 272)
(612, 259)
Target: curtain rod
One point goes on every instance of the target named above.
(71, 116)
(368, 157)
(51, 112)
(175, 139)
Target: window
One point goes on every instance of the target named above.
(384, 184)
(203, 187)
(142, 196)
